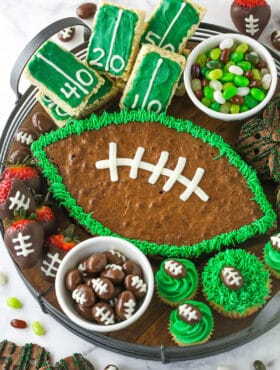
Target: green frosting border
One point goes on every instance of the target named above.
(259, 226)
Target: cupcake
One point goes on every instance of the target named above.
(236, 283)
(176, 281)
(191, 323)
(271, 253)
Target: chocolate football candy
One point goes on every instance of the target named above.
(175, 269)
(66, 34)
(114, 256)
(84, 295)
(25, 137)
(126, 305)
(73, 278)
(275, 39)
(96, 262)
(103, 313)
(189, 313)
(84, 311)
(114, 273)
(103, 287)
(136, 285)
(130, 267)
(231, 277)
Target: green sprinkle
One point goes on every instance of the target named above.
(257, 94)
(14, 302)
(242, 48)
(215, 53)
(215, 74)
(230, 92)
(208, 92)
(236, 56)
(37, 328)
(241, 81)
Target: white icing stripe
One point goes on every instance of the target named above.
(175, 174)
(158, 167)
(136, 162)
(171, 24)
(59, 70)
(113, 39)
(113, 162)
(191, 185)
(146, 97)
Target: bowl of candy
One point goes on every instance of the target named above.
(230, 77)
(104, 284)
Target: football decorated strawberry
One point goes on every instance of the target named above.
(14, 197)
(24, 239)
(46, 217)
(24, 172)
(56, 247)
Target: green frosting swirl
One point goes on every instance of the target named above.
(192, 333)
(272, 257)
(177, 290)
(254, 291)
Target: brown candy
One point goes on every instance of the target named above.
(19, 154)
(84, 295)
(103, 313)
(85, 311)
(275, 39)
(116, 257)
(225, 55)
(25, 137)
(175, 269)
(86, 10)
(199, 94)
(103, 287)
(114, 273)
(136, 285)
(189, 313)
(249, 74)
(255, 83)
(96, 263)
(18, 324)
(237, 99)
(231, 277)
(66, 34)
(130, 267)
(126, 305)
(42, 123)
(73, 278)
(195, 71)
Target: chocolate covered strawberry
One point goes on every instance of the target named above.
(46, 217)
(24, 172)
(250, 16)
(24, 239)
(15, 197)
(56, 247)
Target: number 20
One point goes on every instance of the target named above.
(101, 53)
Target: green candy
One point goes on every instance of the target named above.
(227, 85)
(215, 74)
(257, 94)
(250, 101)
(215, 53)
(225, 108)
(208, 92)
(241, 81)
(252, 57)
(14, 302)
(196, 84)
(244, 108)
(245, 65)
(204, 70)
(227, 76)
(234, 109)
(256, 74)
(201, 60)
(37, 328)
(236, 56)
(205, 101)
(242, 48)
(214, 64)
(230, 92)
(215, 106)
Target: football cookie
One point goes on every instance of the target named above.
(176, 175)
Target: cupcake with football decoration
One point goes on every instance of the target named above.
(191, 323)
(271, 254)
(236, 283)
(176, 281)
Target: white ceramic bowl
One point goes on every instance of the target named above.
(213, 42)
(87, 248)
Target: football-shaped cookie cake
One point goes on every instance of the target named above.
(161, 182)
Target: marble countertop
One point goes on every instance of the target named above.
(20, 21)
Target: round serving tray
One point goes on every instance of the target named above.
(126, 343)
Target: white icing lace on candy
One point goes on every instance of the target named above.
(231, 276)
(99, 286)
(49, 268)
(275, 240)
(157, 170)
(23, 247)
(24, 138)
(188, 312)
(79, 296)
(105, 315)
(129, 308)
(19, 201)
(138, 283)
(174, 267)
